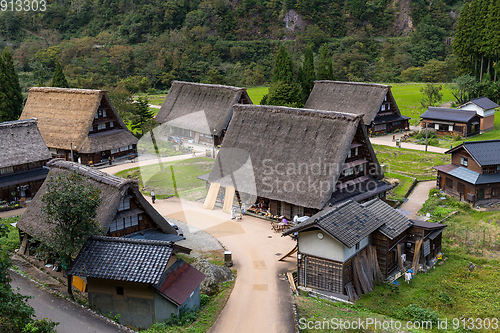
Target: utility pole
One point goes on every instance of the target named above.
(426, 124)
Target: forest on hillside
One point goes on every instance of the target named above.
(139, 45)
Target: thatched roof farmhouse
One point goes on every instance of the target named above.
(374, 101)
(23, 154)
(123, 210)
(301, 160)
(200, 111)
(82, 118)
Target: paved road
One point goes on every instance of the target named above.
(72, 318)
(386, 140)
(417, 198)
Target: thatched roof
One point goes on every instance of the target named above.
(273, 139)
(107, 140)
(353, 97)
(66, 115)
(21, 142)
(112, 190)
(187, 103)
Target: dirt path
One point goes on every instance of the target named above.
(386, 140)
(417, 198)
(261, 300)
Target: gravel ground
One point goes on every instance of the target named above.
(196, 239)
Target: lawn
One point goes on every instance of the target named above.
(160, 179)
(410, 163)
(404, 184)
(256, 93)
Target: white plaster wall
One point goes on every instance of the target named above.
(349, 252)
(473, 107)
(328, 248)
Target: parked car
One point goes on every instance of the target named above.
(175, 139)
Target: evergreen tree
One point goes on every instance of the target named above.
(283, 68)
(308, 75)
(325, 66)
(59, 80)
(11, 98)
(143, 116)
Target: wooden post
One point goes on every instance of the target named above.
(70, 283)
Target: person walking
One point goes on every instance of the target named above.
(153, 197)
(192, 150)
(243, 209)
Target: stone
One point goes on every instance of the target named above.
(215, 276)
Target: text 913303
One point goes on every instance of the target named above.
(23, 5)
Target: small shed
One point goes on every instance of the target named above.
(142, 280)
(431, 236)
(451, 121)
(485, 109)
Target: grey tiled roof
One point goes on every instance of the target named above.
(394, 222)
(448, 114)
(123, 259)
(347, 222)
(484, 152)
(484, 103)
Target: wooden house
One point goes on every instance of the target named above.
(123, 211)
(474, 172)
(142, 280)
(341, 250)
(200, 112)
(374, 102)
(451, 121)
(81, 122)
(296, 161)
(23, 155)
(485, 109)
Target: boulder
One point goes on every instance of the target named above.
(215, 276)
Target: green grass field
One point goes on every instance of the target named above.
(159, 178)
(400, 191)
(256, 93)
(411, 163)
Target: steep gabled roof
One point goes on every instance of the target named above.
(352, 97)
(179, 281)
(455, 115)
(483, 102)
(66, 115)
(347, 222)
(274, 138)
(486, 152)
(112, 190)
(187, 103)
(395, 223)
(123, 259)
(21, 143)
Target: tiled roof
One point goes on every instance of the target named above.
(484, 152)
(367, 188)
(389, 118)
(348, 223)
(484, 103)
(465, 174)
(28, 175)
(123, 259)
(445, 114)
(394, 222)
(179, 281)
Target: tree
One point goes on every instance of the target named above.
(325, 66)
(15, 313)
(143, 116)
(308, 75)
(431, 94)
(463, 88)
(11, 98)
(70, 205)
(59, 80)
(283, 68)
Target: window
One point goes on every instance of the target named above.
(114, 151)
(357, 246)
(450, 128)
(114, 225)
(464, 161)
(382, 108)
(361, 168)
(119, 291)
(111, 124)
(96, 115)
(124, 204)
(348, 172)
(127, 221)
(381, 127)
(104, 113)
(101, 127)
(6, 170)
(436, 126)
(498, 167)
(388, 106)
(495, 192)
(396, 123)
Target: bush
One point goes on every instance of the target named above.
(417, 313)
(204, 299)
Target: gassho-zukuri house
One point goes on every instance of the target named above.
(343, 249)
(294, 161)
(123, 211)
(485, 109)
(374, 102)
(23, 155)
(142, 280)
(200, 112)
(474, 172)
(79, 121)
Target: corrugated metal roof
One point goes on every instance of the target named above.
(445, 168)
(179, 281)
(123, 259)
(484, 103)
(465, 174)
(456, 115)
(484, 152)
(395, 223)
